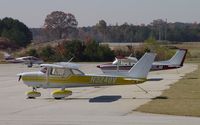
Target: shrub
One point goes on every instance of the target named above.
(33, 52)
(77, 49)
(162, 52)
(48, 54)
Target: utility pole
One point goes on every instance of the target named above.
(159, 32)
(165, 29)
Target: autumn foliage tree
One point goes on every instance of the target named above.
(60, 23)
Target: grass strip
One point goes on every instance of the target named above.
(182, 98)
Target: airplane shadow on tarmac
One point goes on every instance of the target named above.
(98, 99)
(155, 79)
(105, 98)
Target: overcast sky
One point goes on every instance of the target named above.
(89, 12)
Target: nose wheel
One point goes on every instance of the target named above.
(33, 94)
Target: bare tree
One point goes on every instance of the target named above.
(60, 23)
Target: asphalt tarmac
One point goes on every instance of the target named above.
(108, 105)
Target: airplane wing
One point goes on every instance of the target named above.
(62, 65)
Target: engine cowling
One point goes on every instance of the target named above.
(59, 94)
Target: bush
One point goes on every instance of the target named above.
(162, 52)
(48, 53)
(77, 49)
(108, 54)
(96, 52)
(91, 52)
(33, 52)
(74, 49)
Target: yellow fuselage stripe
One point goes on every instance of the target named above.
(82, 80)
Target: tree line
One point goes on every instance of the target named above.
(61, 25)
(101, 32)
(83, 42)
(158, 29)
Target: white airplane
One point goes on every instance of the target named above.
(28, 60)
(66, 75)
(120, 66)
(125, 60)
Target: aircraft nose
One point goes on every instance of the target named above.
(19, 78)
(20, 75)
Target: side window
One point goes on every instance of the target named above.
(67, 72)
(58, 72)
(77, 72)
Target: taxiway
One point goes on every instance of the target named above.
(111, 105)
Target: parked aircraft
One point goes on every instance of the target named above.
(66, 75)
(121, 66)
(125, 60)
(28, 60)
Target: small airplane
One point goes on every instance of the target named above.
(120, 66)
(124, 60)
(28, 60)
(65, 75)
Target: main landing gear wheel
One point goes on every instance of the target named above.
(59, 94)
(33, 94)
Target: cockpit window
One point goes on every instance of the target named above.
(60, 72)
(57, 72)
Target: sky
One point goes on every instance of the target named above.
(89, 12)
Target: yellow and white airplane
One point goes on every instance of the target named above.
(66, 75)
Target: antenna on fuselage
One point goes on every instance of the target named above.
(71, 59)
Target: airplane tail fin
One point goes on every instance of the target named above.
(141, 68)
(179, 57)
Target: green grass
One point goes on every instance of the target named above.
(183, 98)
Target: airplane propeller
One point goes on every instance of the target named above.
(19, 78)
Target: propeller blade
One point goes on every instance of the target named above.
(19, 78)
